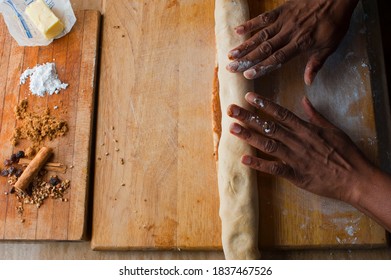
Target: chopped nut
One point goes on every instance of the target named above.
(30, 152)
(123, 184)
(106, 154)
(116, 149)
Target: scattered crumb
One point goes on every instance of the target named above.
(30, 152)
(38, 191)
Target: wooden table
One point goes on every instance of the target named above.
(81, 250)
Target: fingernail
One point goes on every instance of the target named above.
(239, 29)
(250, 74)
(259, 102)
(233, 66)
(246, 160)
(234, 111)
(308, 80)
(233, 54)
(235, 128)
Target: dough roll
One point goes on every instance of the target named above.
(237, 183)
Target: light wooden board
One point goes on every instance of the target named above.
(75, 56)
(156, 76)
(342, 92)
(154, 112)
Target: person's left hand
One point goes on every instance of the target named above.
(315, 156)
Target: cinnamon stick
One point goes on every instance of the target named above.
(49, 166)
(32, 169)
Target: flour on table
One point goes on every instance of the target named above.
(43, 79)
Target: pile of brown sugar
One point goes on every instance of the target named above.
(37, 127)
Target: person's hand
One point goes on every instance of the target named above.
(315, 27)
(314, 155)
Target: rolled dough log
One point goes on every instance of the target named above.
(237, 183)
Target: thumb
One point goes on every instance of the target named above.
(314, 64)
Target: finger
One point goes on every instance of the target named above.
(265, 50)
(260, 21)
(267, 128)
(266, 145)
(314, 64)
(279, 113)
(254, 41)
(272, 63)
(270, 167)
(314, 116)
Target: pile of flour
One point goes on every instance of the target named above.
(43, 79)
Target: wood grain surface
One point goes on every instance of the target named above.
(75, 56)
(154, 108)
(154, 115)
(342, 92)
(81, 250)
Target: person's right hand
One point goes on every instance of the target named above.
(315, 155)
(312, 26)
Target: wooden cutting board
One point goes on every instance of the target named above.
(342, 91)
(155, 180)
(75, 56)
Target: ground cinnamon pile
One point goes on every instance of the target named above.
(37, 127)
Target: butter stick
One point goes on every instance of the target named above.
(44, 19)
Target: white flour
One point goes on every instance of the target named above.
(43, 79)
